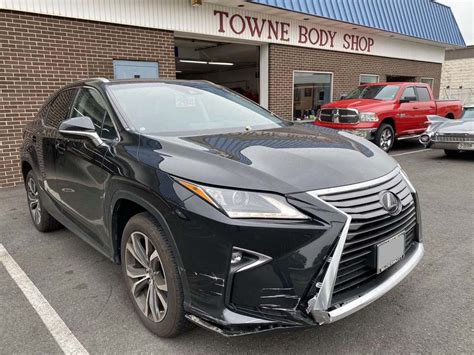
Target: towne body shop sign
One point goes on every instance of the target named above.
(279, 31)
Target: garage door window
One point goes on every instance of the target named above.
(310, 91)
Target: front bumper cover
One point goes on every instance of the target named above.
(391, 278)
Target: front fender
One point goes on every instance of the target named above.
(153, 204)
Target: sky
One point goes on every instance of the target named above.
(464, 12)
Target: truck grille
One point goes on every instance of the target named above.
(371, 225)
(339, 115)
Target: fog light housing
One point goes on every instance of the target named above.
(236, 257)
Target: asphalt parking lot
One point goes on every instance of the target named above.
(430, 311)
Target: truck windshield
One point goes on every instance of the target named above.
(374, 92)
(188, 108)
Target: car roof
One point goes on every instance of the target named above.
(100, 82)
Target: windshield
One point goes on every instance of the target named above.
(188, 108)
(468, 114)
(374, 92)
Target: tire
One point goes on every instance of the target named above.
(42, 220)
(385, 137)
(451, 153)
(151, 276)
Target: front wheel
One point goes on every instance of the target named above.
(152, 278)
(385, 137)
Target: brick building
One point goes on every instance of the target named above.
(457, 81)
(291, 58)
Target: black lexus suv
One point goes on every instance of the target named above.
(219, 212)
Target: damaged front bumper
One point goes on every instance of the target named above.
(245, 325)
(390, 279)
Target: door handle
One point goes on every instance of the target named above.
(415, 107)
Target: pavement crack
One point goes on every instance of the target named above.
(105, 304)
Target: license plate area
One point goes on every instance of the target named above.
(389, 252)
(467, 146)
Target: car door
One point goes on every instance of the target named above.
(53, 114)
(80, 177)
(426, 106)
(408, 112)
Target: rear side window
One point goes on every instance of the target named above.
(409, 92)
(90, 103)
(59, 108)
(423, 93)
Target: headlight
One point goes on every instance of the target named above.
(368, 117)
(245, 204)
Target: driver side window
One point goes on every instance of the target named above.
(409, 92)
(90, 103)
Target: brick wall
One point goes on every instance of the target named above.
(346, 68)
(39, 54)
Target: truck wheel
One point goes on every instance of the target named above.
(385, 137)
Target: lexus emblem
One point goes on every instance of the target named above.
(390, 202)
(335, 116)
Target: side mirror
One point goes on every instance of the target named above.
(80, 126)
(343, 97)
(408, 99)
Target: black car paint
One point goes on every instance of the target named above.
(83, 186)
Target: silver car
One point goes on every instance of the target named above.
(453, 136)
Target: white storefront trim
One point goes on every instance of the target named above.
(234, 23)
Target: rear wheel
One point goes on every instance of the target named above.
(152, 277)
(385, 137)
(451, 153)
(42, 220)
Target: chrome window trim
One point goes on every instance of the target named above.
(318, 305)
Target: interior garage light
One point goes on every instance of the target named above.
(221, 63)
(192, 61)
(203, 62)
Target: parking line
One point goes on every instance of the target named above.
(406, 153)
(56, 326)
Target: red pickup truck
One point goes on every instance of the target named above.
(383, 112)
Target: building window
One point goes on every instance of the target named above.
(133, 69)
(368, 78)
(310, 91)
(429, 81)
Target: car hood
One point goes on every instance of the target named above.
(457, 127)
(362, 105)
(290, 159)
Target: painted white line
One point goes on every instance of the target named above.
(406, 153)
(56, 326)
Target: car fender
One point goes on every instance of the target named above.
(148, 201)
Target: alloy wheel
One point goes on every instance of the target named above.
(386, 139)
(147, 275)
(33, 200)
